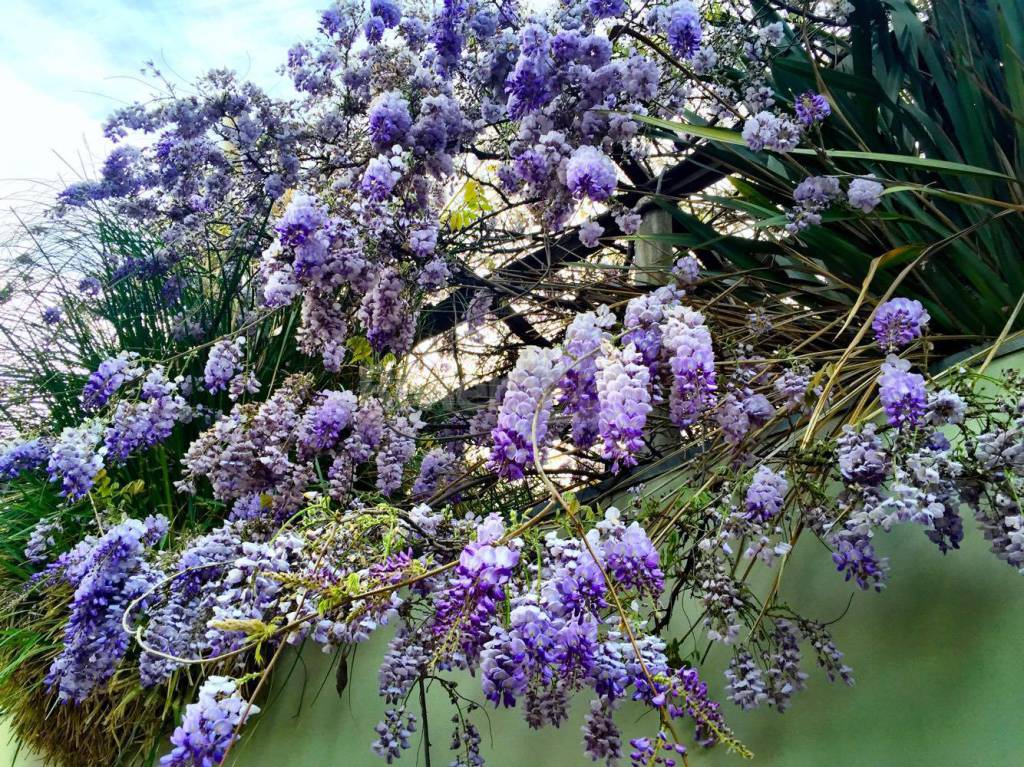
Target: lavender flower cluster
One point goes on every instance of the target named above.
(394, 101)
(607, 389)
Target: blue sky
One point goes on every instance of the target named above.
(65, 64)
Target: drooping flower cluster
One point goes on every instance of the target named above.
(138, 425)
(624, 401)
(609, 390)
(766, 494)
(209, 725)
(740, 411)
(687, 341)
(812, 108)
(583, 340)
(104, 382)
(224, 362)
(468, 604)
(525, 410)
(769, 131)
(898, 322)
(107, 574)
(812, 196)
(325, 420)
(589, 173)
(76, 459)
(902, 393)
(399, 445)
(41, 541)
(865, 194)
(24, 457)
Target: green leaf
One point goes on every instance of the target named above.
(734, 138)
(360, 348)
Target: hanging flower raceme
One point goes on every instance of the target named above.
(579, 394)
(898, 322)
(465, 608)
(590, 174)
(525, 410)
(107, 574)
(399, 445)
(686, 341)
(76, 459)
(902, 393)
(104, 382)
(210, 725)
(766, 494)
(24, 457)
(624, 397)
(224, 362)
(642, 322)
(138, 425)
(325, 421)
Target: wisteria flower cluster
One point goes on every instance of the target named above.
(488, 513)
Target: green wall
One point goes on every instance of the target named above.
(10, 754)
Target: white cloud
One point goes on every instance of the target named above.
(66, 64)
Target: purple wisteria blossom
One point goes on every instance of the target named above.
(41, 541)
(583, 339)
(864, 194)
(138, 425)
(90, 287)
(768, 131)
(628, 555)
(601, 738)
(467, 604)
(437, 468)
(106, 573)
(24, 456)
(389, 120)
(687, 270)
(687, 342)
(855, 557)
(104, 382)
(76, 459)
(590, 173)
(897, 322)
(528, 400)
(944, 407)
(740, 411)
(422, 242)
(812, 108)
(902, 393)
(624, 397)
(380, 178)
(812, 196)
(224, 361)
(765, 495)
(511, 659)
(590, 232)
(861, 456)
(397, 447)
(642, 321)
(209, 725)
(746, 684)
(325, 421)
(683, 29)
(386, 315)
